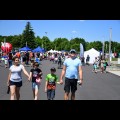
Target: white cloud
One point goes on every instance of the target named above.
(74, 31)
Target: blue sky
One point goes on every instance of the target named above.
(90, 30)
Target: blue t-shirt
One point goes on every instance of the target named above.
(72, 67)
(37, 60)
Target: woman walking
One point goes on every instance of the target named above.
(15, 78)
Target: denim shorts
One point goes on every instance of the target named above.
(35, 85)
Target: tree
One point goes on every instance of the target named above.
(46, 43)
(75, 43)
(38, 41)
(115, 47)
(60, 44)
(28, 36)
(106, 47)
(16, 41)
(96, 45)
(66, 45)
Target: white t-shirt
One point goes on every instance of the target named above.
(16, 73)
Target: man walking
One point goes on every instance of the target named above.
(71, 68)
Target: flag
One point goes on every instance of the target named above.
(103, 48)
(81, 51)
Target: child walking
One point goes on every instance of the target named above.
(50, 85)
(36, 76)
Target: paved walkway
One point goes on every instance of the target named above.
(100, 86)
(115, 72)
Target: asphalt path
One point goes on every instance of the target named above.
(96, 86)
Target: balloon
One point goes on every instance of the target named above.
(6, 47)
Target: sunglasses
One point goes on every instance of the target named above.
(72, 52)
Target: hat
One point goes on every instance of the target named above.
(53, 69)
(72, 51)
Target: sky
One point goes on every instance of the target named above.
(90, 30)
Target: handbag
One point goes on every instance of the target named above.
(38, 80)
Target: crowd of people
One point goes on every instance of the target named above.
(70, 63)
(100, 63)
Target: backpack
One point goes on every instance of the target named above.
(106, 63)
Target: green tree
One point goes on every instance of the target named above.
(87, 46)
(66, 45)
(16, 41)
(60, 44)
(46, 43)
(9, 38)
(115, 46)
(106, 46)
(57, 42)
(28, 37)
(75, 43)
(96, 45)
(38, 41)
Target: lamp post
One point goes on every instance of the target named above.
(45, 40)
(106, 48)
(110, 45)
(5, 45)
(103, 48)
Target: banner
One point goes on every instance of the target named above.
(81, 51)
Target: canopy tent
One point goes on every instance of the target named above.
(92, 53)
(38, 49)
(25, 49)
(43, 50)
(51, 51)
(54, 51)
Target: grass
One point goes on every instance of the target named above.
(113, 59)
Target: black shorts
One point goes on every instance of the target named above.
(70, 84)
(17, 84)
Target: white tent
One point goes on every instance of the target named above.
(92, 53)
(54, 51)
(51, 51)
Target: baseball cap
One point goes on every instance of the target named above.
(53, 69)
(72, 51)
